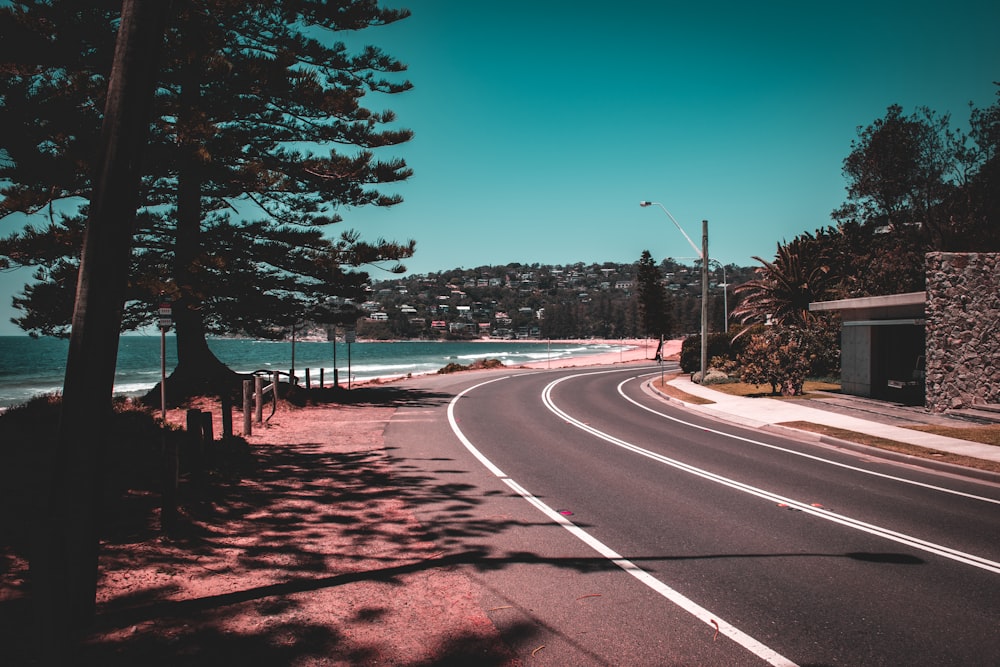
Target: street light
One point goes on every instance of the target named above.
(677, 224)
(703, 255)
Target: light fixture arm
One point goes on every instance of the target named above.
(677, 224)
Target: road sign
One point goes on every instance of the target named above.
(166, 317)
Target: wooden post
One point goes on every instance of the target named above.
(321, 378)
(247, 398)
(168, 507)
(227, 416)
(207, 437)
(258, 393)
(194, 438)
(308, 380)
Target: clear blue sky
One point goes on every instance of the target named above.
(539, 126)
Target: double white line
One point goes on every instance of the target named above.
(722, 627)
(901, 538)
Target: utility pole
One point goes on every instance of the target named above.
(704, 299)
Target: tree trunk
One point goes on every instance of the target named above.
(198, 370)
(65, 566)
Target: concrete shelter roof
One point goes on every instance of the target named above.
(892, 306)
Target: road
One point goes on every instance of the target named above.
(609, 527)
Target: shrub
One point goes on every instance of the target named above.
(776, 357)
(719, 345)
(478, 364)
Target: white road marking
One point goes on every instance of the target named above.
(804, 455)
(746, 641)
(901, 538)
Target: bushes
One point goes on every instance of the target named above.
(779, 356)
(476, 365)
(719, 345)
(777, 359)
(784, 357)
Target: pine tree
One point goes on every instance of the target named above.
(653, 306)
(259, 141)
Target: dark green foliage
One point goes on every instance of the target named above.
(132, 461)
(914, 185)
(719, 345)
(783, 357)
(476, 365)
(654, 307)
(801, 273)
(260, 140)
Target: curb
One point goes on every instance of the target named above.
(840, 443)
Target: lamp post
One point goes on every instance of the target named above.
(725, 296)
(703, 255)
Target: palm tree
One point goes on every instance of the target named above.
(799, 275)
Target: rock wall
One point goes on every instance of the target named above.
(962, 330)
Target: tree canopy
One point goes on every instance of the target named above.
(914, 185)
(653, 303)
(260, 141)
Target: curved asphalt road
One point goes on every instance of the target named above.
(609, 527)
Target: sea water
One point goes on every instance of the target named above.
(34, 366)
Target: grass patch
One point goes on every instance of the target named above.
(738, 389)
(900, 447)
(756, 391)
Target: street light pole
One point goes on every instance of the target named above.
(704, 299)
(703, 255)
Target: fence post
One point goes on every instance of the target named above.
(308, 382)
(168, 509)
(194, 439)
(258, 393)
(321, 378)
(247, 398)
(227, 415)
(207, 437)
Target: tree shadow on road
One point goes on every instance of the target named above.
(306, 551)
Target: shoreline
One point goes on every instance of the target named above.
(630, 350)
(620, 350)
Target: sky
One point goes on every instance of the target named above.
(540, 126)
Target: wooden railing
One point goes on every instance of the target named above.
(256, 392)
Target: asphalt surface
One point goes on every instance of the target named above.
(606, 525)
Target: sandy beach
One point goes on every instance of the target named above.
(638, 349)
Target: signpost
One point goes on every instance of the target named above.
(166, 320)
(336, 371)
(350, 335)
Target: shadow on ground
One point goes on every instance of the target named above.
(302, 551)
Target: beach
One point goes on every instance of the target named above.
(313, 557)
(637, 349)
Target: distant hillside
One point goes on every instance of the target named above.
(537, 301)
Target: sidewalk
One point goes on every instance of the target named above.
(770, 414)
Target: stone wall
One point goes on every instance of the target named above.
(963, 330)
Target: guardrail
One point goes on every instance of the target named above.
(255, 392)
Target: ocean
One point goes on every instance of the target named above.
(29, 366)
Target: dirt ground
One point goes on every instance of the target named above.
(310, 556)
(314, 559)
